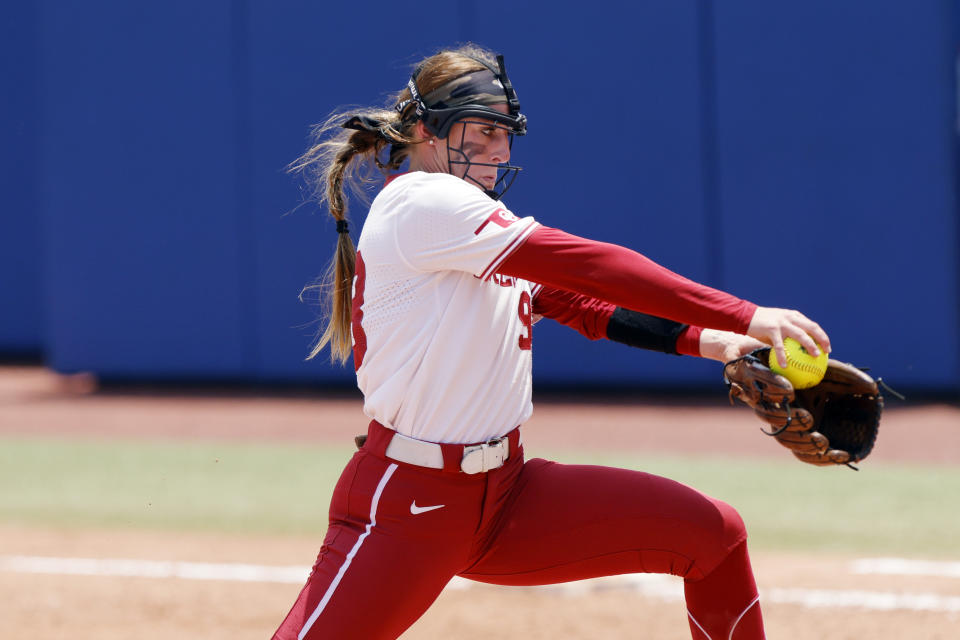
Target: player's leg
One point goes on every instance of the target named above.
(382, 564)
(725, 604)
(571, 522)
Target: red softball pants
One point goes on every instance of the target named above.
(391, 547)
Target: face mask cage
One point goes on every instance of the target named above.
(439, 121)
(457, 156)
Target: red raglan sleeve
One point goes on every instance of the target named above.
(590, 316)
(585, 314)
(625, 278)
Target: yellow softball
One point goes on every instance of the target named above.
(803, 370)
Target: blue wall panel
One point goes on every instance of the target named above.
(173, 243)
(834, 126)
(139, 183)
(21, 325)
(613, 154)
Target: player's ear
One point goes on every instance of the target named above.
(420, 131)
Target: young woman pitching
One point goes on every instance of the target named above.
(437, 306)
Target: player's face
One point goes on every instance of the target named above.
(482, 141)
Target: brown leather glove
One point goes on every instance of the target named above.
(835, 422)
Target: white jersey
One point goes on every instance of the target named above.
(442, 343)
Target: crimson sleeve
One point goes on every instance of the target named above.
(594, 319)
(688, 343)
(624, 278)
(583, 313)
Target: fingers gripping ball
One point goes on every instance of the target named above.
(803, 369)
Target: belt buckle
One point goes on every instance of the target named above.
(484, 457)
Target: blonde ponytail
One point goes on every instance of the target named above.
(331, 165)
(346, 153)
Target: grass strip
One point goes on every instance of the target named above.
(284, 489)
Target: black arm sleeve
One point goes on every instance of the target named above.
(644, 331)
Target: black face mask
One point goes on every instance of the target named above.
(470, 96)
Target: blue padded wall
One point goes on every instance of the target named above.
(837, 161)
(140, 187)
(170, 243)
(21, 318)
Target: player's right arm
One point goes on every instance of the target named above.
(628, 279)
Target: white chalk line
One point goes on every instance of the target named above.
(120, 567)
(905, 567)
(663, 587)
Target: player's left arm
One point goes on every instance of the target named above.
(596, 319)
(724, 346)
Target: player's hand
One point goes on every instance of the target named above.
(772, 325)
(724, 346)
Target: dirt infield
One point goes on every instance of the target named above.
(803, 595)
(110, 607)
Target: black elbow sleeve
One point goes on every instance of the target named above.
(644, 331)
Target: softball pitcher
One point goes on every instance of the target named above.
(437, 306)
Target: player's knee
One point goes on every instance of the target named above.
(727, 532)
(733, 530)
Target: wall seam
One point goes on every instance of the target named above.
(247, 261)
(953, 18)
(709, 152)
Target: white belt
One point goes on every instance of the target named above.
(476, 458)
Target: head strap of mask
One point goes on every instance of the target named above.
(439, 110)
(470, 96)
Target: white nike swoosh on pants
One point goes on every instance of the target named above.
(414, 509)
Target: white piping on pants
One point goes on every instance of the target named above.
(707, 635)
(742, 613)
(735, 622)
(353, 552)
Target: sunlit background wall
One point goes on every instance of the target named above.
(798, 154)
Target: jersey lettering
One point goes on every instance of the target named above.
(356, 314)
(503, 281)
(525, 311)
(500, 217)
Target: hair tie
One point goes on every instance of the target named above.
(342, 226)
(366, 123)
